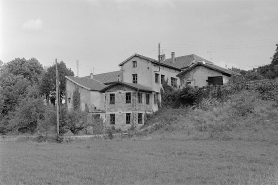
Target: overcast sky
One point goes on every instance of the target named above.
(103, 33)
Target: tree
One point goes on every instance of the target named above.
(48, 84)
(275, 57)
(30, 69)
(1, 67)
(76, 99)
(28, 115)
(12, 89)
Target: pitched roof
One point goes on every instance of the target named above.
(149, 59)
(87, 83)
(211, 66)
(107, 78)
(130, 85)
(185, 61)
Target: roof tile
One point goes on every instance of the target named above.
(107, 78)
(184, 61)
(90, 84)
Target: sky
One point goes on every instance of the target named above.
(100, 34)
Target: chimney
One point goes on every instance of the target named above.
(173, 57)
(162, 57)
(92, 74)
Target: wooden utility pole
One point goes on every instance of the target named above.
(57, 98)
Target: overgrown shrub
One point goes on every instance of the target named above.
(27, 115)
(76, 99)
(76, 121)
(109, 132)
(48, 122)
(98, 125)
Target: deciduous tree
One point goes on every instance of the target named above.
(48, 84)
(30, 69)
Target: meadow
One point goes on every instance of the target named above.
(230, 142)
(148, 160)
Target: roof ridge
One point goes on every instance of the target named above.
(107, 72)
(94, 80)
(83, 82)
(181, 56)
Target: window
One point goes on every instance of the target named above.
(128, 98)
(173, 82)
(156, 78)
(127, 118)
(134, 78)
(112, 119)
(139, 97)
(215, 80)
(134, 63)
(96, 116)
(140, 118)
(147, 99)
(112, 98)
(162, 79)
(155, 98)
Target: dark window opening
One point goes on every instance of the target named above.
(134, 78)
(134, 63)
(128, 98)
(112, 119)
(127, 121)
(139, 97)
(215, 80)
(173, 82)
(162, 78)
(147, 99)
(140, 118)
(112, 98)
(156, 78)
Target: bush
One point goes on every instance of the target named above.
(27, 115)
(76, 121)
(98, 125)
(109, 132)
(48, 122)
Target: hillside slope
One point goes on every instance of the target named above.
(245, 116)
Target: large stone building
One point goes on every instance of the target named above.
(123, 98)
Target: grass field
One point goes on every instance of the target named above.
(141, 161)
(230, 143)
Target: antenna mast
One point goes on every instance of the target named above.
(77, 65)
(210, 54)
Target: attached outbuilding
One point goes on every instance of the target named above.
(203, 74)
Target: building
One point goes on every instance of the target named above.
(201, 74)
(123, 98)
(90, 96)
(126, 104)
(149, 72)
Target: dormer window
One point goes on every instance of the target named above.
(134, 64)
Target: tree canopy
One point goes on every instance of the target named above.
(30, 69)
(48, 84)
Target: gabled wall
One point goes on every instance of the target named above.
(199, 76)
(91, 98)
(121, 108)
(145, 71)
